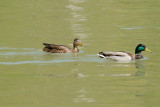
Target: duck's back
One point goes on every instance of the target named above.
(117, 56)
(52, 48)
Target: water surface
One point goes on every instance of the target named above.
(30, 77)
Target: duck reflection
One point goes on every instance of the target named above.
(139, 64)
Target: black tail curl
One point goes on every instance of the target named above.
(46, 44)
(101, 53)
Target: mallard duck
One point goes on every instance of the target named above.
(125, 56)
(52, 48)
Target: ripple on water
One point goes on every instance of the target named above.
(133, 28)
(40, 57)
(8, 48)
(50, 61)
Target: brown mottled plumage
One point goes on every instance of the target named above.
(125, 56)
(52, 48)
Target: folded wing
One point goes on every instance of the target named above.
(118, 56)
(56, 48)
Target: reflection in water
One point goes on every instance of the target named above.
(115, 74)
(80, 75)
(77, 18)
(116, 65)
(133, 28)
(82, 97)
(139, 64)
(77, 1)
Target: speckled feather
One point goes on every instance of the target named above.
(56, 48)
(53, 48)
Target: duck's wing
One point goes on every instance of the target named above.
(107, 54)
(118, 56)
(56, 48)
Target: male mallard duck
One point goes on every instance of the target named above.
(52, 48)
(125, 56)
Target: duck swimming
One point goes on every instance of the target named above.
(53, 48)
(125, 56)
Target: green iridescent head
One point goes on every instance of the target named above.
(141, 48)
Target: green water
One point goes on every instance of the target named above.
(30, 77)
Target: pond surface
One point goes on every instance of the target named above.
(30, 77)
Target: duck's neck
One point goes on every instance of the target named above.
(137, 51)
(75, 49)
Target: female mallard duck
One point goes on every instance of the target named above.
(125, 56)
(52, 48)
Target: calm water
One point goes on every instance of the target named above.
(30, 77)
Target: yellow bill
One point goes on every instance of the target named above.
(81, 45)
(147, 50)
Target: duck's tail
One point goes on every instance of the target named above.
(46, 44)
(102, 55)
